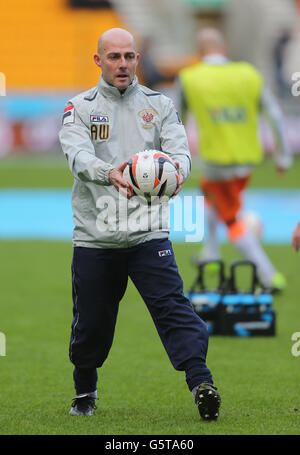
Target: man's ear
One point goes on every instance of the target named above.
(97, 59)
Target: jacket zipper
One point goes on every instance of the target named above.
(123, 141)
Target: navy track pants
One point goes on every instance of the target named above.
(99, 281)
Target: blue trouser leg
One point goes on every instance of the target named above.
(154, 272)
(99, 280)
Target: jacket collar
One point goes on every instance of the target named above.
(111, 91)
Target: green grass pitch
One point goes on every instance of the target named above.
(140, 392)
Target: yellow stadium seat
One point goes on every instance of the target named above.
(46, 45)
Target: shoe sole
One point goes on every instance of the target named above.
(208, 402)
(79, 413)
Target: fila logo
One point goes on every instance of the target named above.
(165, 253)
(99, 118)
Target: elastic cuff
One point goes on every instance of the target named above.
(85, 380)
(196, 373)
(103, 174)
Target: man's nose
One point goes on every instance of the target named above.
(123, 62)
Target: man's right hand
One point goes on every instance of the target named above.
(117, 180)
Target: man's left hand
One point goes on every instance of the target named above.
(180, 180)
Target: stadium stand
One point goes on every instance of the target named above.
(49, 44)
(47, 49)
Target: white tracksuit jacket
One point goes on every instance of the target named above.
(103, 128)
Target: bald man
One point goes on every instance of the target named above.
(226, 99)
(210, 41)
(102, 129)
(116, 73)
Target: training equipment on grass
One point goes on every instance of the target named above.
(152, 175)
(206, 301)
(227, 310)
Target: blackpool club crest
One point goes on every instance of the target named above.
(148, 117)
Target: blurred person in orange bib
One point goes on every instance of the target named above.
(226, 99)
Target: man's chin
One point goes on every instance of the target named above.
(122, 84)
(122, 87)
